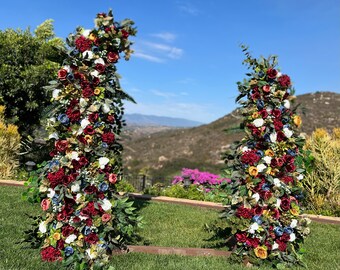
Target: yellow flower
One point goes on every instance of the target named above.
(56, 236)
(92, 36)
(2, 110)
(255, 115)
(12, 129)
(294, 212)
(69, 89)
(88, 138)
(97, 91)
(2, 126)
(297, 120)
(261, 252)
(269, 152)
(253, 171)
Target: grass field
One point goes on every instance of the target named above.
(165, 225)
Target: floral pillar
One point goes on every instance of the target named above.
(84, 220)
(263, 215)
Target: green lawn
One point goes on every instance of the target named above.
(165, 225)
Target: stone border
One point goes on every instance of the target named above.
(211, 205)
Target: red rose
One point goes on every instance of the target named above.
(93, 117)
(256, 95)
(50, 254)
(106, 217)
(95, 81)
(277, 124)
(112, 178)
(89, 210)
(100, 68)
(287, 179)
(253, 242)
(62, 74)
(268, 245)
(112, 57)
(101, 195)
(87, 92)
(250, 157)
(91, 189)
(108, 137)
(76, 219)
(244, 212)
(271, 73)
(285, 204)
(263, 113)
(241, 237)
(280, 136)
(92, 238)
(288, 159)
(62, 216)
(75, 164)
(282, 245)
(69, 179)
(89, 130)
(284, 81)
(60, 244)
(82, 139)
(266, 88)
(125, 34)
(83, 161)
(266, 194)
(285, 237)
(56, 178)
(258, 210)
(68, 230)
(83, 44)
(89, 222)
(290, 167)
(275, 213)
(61, 145)
(110, 118)
(276, 113)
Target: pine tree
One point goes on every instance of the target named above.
(84, 218)
(263, 209)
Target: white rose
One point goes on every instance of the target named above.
(86, 33)
(267, 159)
(288, 133)
(286, 103)
(84, 123)
(300, 177)
(79, 132)
(91, 254)
(82, 102)
(75, 187)
(67, 68)
(51, 193)
(245, 148)
(256, 196)
(273, 137)
(42, 227)
(55, 93)
(258, 122)
(275, 246)
(70, 239)
(99, 61)
(95, 73)
(105, 108)
(277, 182)
(261, 167)
(292, 237)
(106, 204)
(278, 203)
(88, 54)
(103, 161)
(294, 223)
(279, 74)
(253, 227)
(54, 135)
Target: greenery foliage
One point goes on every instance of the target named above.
(322, 180)
(27, 63)
(9, 147)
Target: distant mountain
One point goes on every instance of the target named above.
(166, 152)
(153, 120)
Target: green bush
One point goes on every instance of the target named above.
(322, 181)
(125, 186)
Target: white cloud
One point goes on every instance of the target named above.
(148, 57)
(163, 94)
(165, 36)
(188, 8)
(171, 51)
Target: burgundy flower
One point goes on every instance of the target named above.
(275, 213)
(56, 178)
(266, 194)
(61, 145)
(110, 118)
(60, 244)
(108, 137)
(93, 117)
(290, 167)
(280, 136)
(284, 81)
(250, 157)
(244, 212)
(112, 57)
(76, 219)
(68, 230)
(95, 81)
(89, 130)
(91, 189)
(83, 161)
(82, 139)
(89, 222)
(241, 237)
(263, 113)
(258, 210)
(92, 238)
(271, 73)
(62, 74)
(50, 254)
(87, 92)
(285, 237)
(277, 124)
(282, 245)
(287, 179)
(276, 113)
(285, 204)
(253, 242)
(100, 68)
(125, 34)
(83, 44)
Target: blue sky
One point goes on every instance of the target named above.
(188, 60)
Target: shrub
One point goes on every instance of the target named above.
(322, 181)
(9, 147)
(125, 186)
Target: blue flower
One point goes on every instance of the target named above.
(251, 144)
(278, 231)
(75, 52)
(260, 104)
(63, 118)
(257, 219)
(55, 199)
(291, 152)
(103, 186)
(266, 137)
(69, 251)
(70, 76)
(288, 230)
(266, 187)
(105, 145)
(87, 230)
(286, 126)
(53, 163)
(105, 246)
(95, 49)
(260, 153)
(261, 74)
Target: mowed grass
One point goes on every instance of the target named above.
(165, 225)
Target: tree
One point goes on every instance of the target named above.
(27, 63)
(262, 216)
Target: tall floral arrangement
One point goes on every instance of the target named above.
(263, 212)
(84, 219)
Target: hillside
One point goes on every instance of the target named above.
(166, 152)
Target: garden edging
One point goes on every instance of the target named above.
(212, 205)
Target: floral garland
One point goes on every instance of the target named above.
(263, 212)
(84, 218)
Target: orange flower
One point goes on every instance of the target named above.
(261, 252)
(269, 152)
(253, 171)
(56, 236)
(97, 91)
(297, 120)
(92, 36)
(294, 212)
